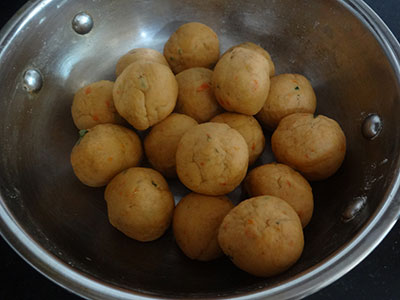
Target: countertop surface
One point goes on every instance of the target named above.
(377, 277)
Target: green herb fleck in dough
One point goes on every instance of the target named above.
(180, 51)
(171, 58)
(296, 88)
(153, 183)
(83, 132)
(143, 82)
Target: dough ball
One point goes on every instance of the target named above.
(161, 143)
(249, 128)
(262, 236)
(288, 94)
(259, 50)
(93, 104)
(283, 182)
(192, 45)
(196, 96)
(141, 55)
(140, 203)
(241, 81)
(196, 222)
(212, 159)
(103, 151)
(315, 146)
(145, 94)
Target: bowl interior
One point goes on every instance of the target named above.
(322, 40)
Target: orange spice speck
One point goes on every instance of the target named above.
(253, 147)
(110, 158)
(95, 118)
(203, 87)
(288, 183)
(201, 164)
(108, 103)
(88, 90)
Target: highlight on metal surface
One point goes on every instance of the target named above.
(32, 80)
(372, 126)
(82, 23)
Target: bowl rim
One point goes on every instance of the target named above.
(303, 284)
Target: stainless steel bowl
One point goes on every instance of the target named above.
(60, 226)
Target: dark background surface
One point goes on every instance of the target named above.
(377, 277)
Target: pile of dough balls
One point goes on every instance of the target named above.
(193, 114)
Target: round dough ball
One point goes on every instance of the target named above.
(262, 236)
(288, 94)
(93, 104)
(192, 45)
(196, 97)
(315, 146)
(249, 128)
(161, 143)
(145, 94)
(140, 203)
(212, 159)
(283, 182)
(196, 222)
(259, 50)
(103, 151)
(241, 81)
(139, 54)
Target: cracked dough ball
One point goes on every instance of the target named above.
(283, 182)
(249, 128)
(192, 45)
(93, 104)
(145, 94)
(161, 143)
(259, 50)
(103, 151)
(262, 236)
(212, 159)
(196, 222)
(288, 94)
(139, 54)
(241, 81)
(196, 97)
(315, 146)
(140, 203)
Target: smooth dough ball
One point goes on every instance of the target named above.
(145, 94)
(249, 128)
(103, 151)
(93, 104)
(288, 94)
(196, 222)
(212, 159)
(259, 50)
(196, 96)
(241, 81)
(140, 203)
(283, 182)
(192, 45)
(161, 143)
(139, 54)
(315, 146)
(262, 236)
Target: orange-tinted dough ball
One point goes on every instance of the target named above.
(140, 203)
(103, 152)
(212, 159)
(289, 93)
(315, 146)
(93, 104)
(145, 94)
(196, 222)
(262, 236)
(192, 45)
(241, 81)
